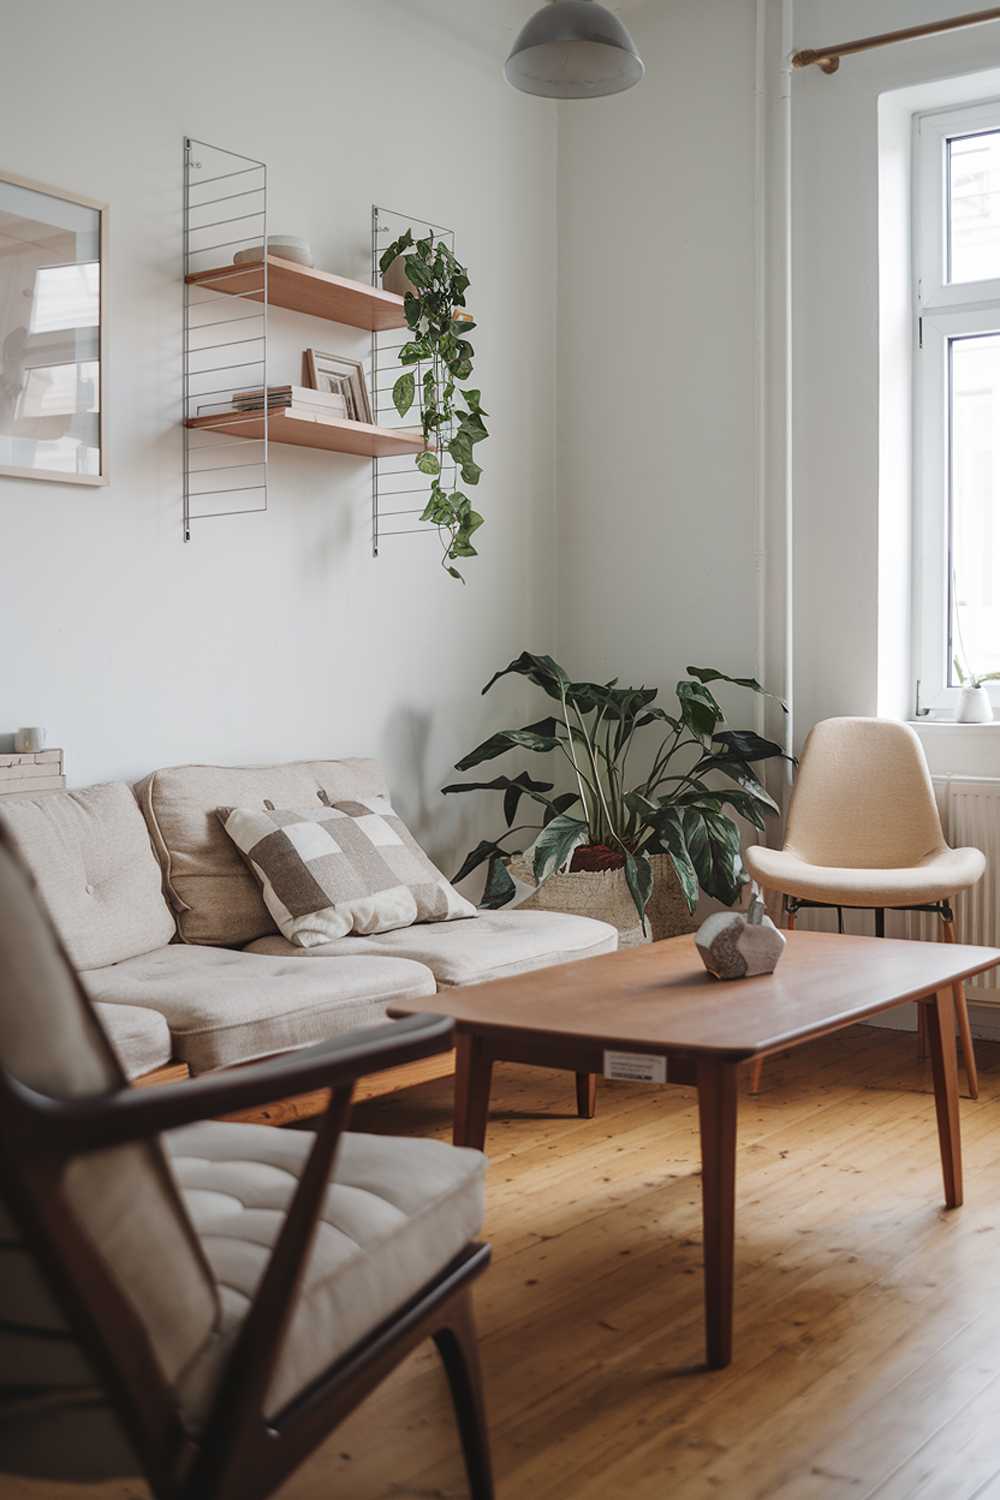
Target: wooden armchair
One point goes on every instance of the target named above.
(207, 1323)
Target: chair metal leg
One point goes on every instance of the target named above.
(947, 925)
(459, 1350)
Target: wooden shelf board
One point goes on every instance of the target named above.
(336, 434)
(306, 290)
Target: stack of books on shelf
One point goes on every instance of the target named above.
(26, 775)
(296, 401)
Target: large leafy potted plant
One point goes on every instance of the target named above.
(439, 357)
(675, 821)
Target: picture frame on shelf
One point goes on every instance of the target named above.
(342, 375)
(53, 333)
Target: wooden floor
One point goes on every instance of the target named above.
(867, 1319)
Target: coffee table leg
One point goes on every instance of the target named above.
(473, 1076)
(944, 1065)
(586, 1095)
(717, 1116)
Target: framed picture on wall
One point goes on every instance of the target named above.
(53, 266)
(337, 373)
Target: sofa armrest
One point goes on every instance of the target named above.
(72, 1127)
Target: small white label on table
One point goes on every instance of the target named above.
(635, 1067)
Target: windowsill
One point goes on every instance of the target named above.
(954, 749)
(950, 724)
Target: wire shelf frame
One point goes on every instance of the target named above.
(220, 372)
(399, 490)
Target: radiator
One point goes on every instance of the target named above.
(970, 815)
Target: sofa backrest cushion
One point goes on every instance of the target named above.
(90, 853)
(216, 898)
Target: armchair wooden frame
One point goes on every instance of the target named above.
(242, 1453)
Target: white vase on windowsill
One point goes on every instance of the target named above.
(974, 706)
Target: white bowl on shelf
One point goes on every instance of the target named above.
(285, 246)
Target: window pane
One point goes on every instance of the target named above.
(974, 207)
(975, 492)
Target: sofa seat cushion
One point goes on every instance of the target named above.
(396, 1213)
(496, 944)
(140, 1037)
(223, 1007)
(216, 898)
(91, 857)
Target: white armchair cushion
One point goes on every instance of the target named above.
(396, 1213)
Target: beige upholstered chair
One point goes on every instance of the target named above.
(864, 831)
(202, 1305)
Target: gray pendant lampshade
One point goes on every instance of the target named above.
(573, 49)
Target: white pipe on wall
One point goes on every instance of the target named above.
(788, 686)
(760, 351)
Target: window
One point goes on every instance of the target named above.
(957, 400)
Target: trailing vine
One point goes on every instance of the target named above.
(440, 358)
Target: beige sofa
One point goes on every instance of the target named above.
(168, 930)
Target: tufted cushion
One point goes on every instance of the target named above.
(216, 898)
(497, 944)
(140, 1038)
(224, 1007)
(397, 1213)
(90, 853)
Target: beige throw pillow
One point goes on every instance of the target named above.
(340, 867)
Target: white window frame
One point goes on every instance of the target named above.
(943, 311)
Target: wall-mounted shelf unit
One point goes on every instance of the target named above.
(335, 434)
(304, 289)
(226, 446)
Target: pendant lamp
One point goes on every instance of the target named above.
(573, 49)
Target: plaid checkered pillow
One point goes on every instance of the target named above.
(340, 867)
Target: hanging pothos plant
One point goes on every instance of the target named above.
(441, 357)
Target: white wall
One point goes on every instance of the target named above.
(843, 665)
(278, 636)
(657, 453)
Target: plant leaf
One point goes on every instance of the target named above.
(639, 876)
(714, 846)
(709, 674)
(541, 737)
(541, 670)
(500, 887)
(403, 392)
(672, 841)
(484, 850)
(745, 745)
(513, 789)
(427, 464)
(699, 710)
(558, 805)
(556, 843)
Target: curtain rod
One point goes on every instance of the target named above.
(828, 58)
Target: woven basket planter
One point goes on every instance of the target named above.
(604, 895)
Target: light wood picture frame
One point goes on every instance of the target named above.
(336, 372)
(53, 333)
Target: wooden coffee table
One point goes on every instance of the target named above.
(653, 1013)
